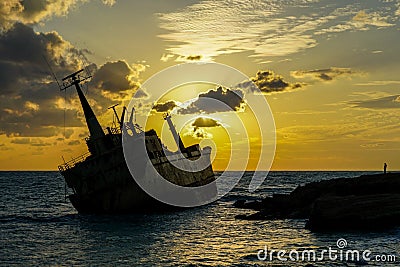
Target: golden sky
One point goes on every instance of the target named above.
(328, 69)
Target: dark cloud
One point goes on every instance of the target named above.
(141, 94)
(269, 82)
(194, 57)
(30, 101)
(21, 141)
(5, 148)
(325, 75)
(232, 100)
(41, 144)
(22, 53)
(115, 77)
(74, 143)
(205, 122)
(28, 97)
(200, 134)
(35, 11)
(198, 129)
(84, 134)
(47, 121)
(164, 107)
(32, 11)
(388, 102)
(30, 141)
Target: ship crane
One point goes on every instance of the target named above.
(97, 142)
(175, 134)
(120, 121)
(93, 124)
(132, 125)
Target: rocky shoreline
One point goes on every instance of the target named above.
(368, 202)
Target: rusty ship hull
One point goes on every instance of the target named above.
(105, 185)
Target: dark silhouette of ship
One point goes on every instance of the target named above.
(101, 181)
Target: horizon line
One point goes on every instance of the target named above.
(293, 170)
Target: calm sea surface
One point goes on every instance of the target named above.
(38, 227)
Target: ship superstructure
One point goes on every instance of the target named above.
(100, 179)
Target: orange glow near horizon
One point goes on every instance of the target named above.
(328, 71)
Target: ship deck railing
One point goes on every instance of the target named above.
(70, 164)
(115, 130)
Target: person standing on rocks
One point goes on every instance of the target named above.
(384, 167)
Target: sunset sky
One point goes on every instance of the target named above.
(328, 69)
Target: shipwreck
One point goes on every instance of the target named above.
(100, 181)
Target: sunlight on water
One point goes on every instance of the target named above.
(39, 228)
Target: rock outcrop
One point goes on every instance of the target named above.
(365, 202)
(365, 212)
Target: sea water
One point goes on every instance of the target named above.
(40, 227)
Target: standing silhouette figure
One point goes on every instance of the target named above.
(384, 168)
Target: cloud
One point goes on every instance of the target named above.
(109, 2)
(116, 76)
(35, 142)
(35, 11)
(27, 94)
(192, 57)
(213, 28)
(264, 28)
(387, 102)
(21, 141)
(200, 133)
(21, 55)
(30, 101)
(188, 58)
(165, 107)
(41, 144)
(269, 82)
(324, 74)
(141, 93)
(74, 143)
(202, 122)
(378, 83)
(32, 11)
(218, 100)
(371, 145)
(8, 13)
(197, 128)
(166, 57)
(362, 19)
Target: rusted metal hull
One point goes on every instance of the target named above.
(104, 185)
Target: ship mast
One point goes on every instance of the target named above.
(93, 124)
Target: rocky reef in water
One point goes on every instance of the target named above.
(368, 202)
